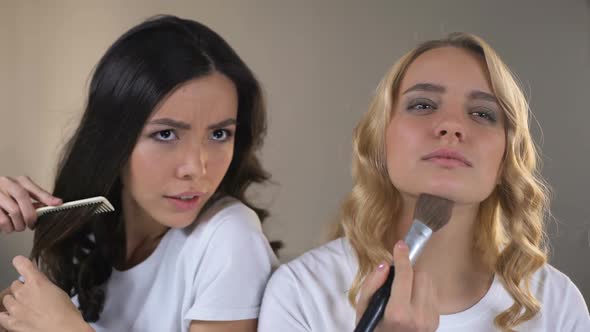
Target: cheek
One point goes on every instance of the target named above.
(494, 155)
(146, 167)
(499, 150)
(401, 144)
(219, 161)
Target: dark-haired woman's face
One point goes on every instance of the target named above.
(183, 153)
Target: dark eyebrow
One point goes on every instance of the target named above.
(185, 126)
(476, 94)
(223, 123)
(172, 123)
(429, 87)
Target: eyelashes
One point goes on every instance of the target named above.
(219, 135)
(166, 135)
(425, 106)
(421, 105)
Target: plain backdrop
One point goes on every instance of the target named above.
(319, 63)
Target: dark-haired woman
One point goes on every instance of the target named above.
(169, 135)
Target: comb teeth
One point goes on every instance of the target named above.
(100, 204)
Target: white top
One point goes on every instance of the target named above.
(215, 269)
(310, 293)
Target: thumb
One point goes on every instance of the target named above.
(26, 268)
(370, 285)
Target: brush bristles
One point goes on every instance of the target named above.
(433, 211)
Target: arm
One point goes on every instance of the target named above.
(247, 325)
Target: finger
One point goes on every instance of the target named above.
(422, 301)
(5, 223)
(26, 268)
(401, 290)
(18, 198)
(422, 289)
(370, 285)
(433, 307)
(37, 192)
(9, 303)
(7, 322)
(37, 205)
(16, 289)
(12, 211)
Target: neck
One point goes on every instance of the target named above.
(142, 233)
(460, 276)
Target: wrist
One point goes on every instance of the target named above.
(80, 325)
(85, 327)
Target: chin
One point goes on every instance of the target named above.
(454, 191)
(461, 197)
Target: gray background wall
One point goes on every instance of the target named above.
(319, 62)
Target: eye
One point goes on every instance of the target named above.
(221, 135)
(485, 115)
(421, 105)
(165, 135)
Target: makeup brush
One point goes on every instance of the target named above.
(430, 215)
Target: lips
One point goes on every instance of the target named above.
(446, 157)
(187, 195)
(185, 201)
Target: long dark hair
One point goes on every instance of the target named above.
(77, 250)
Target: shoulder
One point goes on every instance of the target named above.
(310, 292)
(551, 282)
(334, 254)
(229, 209)
(229, 240)
(560, 297)
(226, 217)
(331, 264)
(225, 228)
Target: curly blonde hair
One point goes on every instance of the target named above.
(510, 232)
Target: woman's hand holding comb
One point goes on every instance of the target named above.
(17, 210)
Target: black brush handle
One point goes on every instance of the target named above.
(376, 307)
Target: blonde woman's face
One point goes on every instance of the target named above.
(446, 135)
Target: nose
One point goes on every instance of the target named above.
(444, 132)
(451, 128)
(193, 162)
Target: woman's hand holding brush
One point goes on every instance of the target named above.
(412, 304)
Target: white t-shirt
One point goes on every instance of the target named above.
(310, 293)
(215, 269)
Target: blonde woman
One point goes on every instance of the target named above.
(448, 119)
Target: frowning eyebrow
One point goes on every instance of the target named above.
(185, 126)
(172, 123)
(223, 123)
(429, 87)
